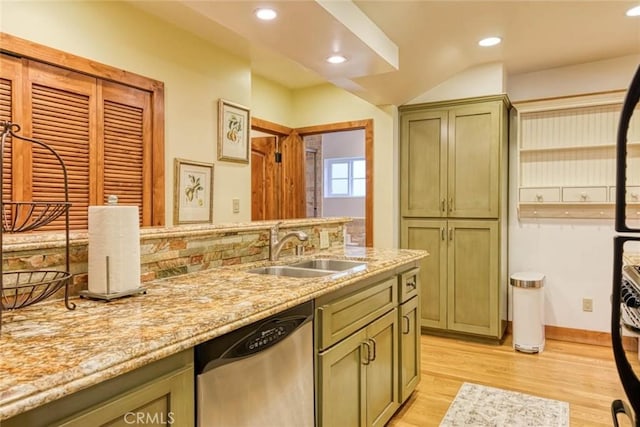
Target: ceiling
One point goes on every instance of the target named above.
(399, 49)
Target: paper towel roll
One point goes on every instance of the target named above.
(114, 249)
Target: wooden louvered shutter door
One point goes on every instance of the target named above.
(62, 110)
(126, 141)
(10, 84)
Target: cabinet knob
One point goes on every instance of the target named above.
(634, 196)
(411, 283)
(583, 196)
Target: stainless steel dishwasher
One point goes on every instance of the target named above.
(260, 375)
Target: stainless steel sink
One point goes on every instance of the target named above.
(331, 264)
(288, 271)
(312, 268)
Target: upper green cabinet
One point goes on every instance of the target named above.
(452, 157)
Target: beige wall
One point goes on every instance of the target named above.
(271, 102)
(196, 74)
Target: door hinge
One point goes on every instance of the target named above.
(278, 157)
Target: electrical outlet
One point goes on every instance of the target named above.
(236, 205)
(324, 239)
(587, 304)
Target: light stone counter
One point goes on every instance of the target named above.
(47, 352)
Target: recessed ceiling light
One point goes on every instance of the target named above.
(266, 14)
(634, 11)
(490, 41)
(336, 59)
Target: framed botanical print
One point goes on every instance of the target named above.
(233, 132)
(193, 192)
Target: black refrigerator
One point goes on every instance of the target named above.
(625, 300)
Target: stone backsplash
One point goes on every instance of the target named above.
(166, 252)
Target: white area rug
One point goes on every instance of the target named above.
(478, 405)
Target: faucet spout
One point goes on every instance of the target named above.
(276, 244)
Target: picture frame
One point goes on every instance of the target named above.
(234, 126)
(193, 192)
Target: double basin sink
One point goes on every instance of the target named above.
(312, 268)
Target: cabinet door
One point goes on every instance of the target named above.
(382, 370)
(473, 277)
(341, 395)
(163, 402)
(430, 235)
(474, 161)
(409, 325)
(423, 163)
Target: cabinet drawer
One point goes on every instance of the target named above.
(539, 194)
(409, 285)
(584, 194)
(343, 316)
(632, 194)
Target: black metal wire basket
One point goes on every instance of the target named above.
(21, 288)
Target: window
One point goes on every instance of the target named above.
(345, 177)
(108, 133)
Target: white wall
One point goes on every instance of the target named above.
(575, 255)
(326, 104)
(601, 76)
(196, 74)
(482, 80)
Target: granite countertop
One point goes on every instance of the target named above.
(48, 352)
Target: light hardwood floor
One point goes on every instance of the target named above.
(583, 375)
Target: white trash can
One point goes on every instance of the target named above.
(528, 312)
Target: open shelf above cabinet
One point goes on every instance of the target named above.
(566, 157)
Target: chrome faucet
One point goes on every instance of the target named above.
(275, 244)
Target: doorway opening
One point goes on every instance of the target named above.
(293, 193)
(336, 179)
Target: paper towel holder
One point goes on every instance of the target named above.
(112, 200)
(108, 295)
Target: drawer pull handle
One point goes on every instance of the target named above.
(451, 204)
(442, 205)
(367, 358)
(442, 234)
(451, 233)
(407, 324)
(634, 196)
(583, 196)
(539, 197)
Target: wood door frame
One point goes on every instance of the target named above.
(366, 125)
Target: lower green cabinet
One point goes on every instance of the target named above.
(158, 394)
(368, 349)
(162, 402)
(357, 378)
(409, 325)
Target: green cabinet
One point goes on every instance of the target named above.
(357, 341)
(158, 394)
(358, 376)
(408, 332)
(461, 277)
(451, 160)
(453, 197)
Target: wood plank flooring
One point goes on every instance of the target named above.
(583, 375)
